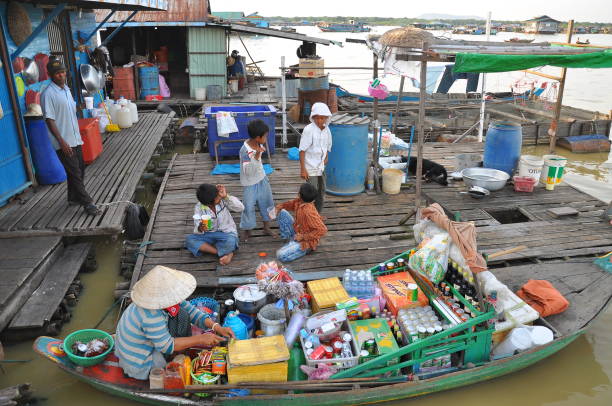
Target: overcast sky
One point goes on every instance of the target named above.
(584, 10)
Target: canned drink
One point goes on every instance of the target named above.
(422, 332)
(364, 353)
(309, 352)
(308, 345)
(382, 267)
(390, 266)
(346, 337)
(413, 292)
(337, 347)
(438, 328)
(431, 331)
(401, 263)
(318, 352)
(329, 351)
(370, 346)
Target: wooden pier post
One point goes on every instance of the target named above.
(552, 131)
(421, 127)
(376, 129)
(397, 106)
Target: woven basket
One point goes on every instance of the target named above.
(406, 37)
(18, 21)
(84, 336)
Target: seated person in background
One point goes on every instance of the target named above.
(220, 237)
(158, 322)
(306, 230)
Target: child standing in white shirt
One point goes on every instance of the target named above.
(315, 144)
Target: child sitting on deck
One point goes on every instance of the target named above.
(216, 234)
(257, 191)
(306, 230)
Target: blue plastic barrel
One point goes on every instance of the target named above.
(314, 83)
(503, 146)
(49, 169)
(348, 160)
(149, 80)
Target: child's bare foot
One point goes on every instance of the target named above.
(270, 232)
(244, 235)
(226, 259)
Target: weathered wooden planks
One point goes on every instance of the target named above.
(47, 297)
(111, 178)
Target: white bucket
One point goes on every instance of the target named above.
(89, 102)
(392, 181)
(541, 335)
(233, 85)
(530, 166)
(519, 339)
(552, 171)
(200, 93)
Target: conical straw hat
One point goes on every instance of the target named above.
(163, 287)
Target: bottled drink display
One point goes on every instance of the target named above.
(359, 284)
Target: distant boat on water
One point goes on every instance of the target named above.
(519, 40)
(351, 26)
(288, 29)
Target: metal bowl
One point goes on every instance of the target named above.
(30, 71)
(490, 179)
(91, 79)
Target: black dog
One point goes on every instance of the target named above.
(432, 171)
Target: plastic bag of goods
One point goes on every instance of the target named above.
(431, 259)
(100, 114)
(426, 228)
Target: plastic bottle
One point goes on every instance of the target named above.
(113, 108)
(238, 327)
(370, 178)
(124, 117)
(296, 358)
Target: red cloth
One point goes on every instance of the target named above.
(543, 297)
(462, 233)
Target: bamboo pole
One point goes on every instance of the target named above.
(482, 89)
(284, 102)
(552, 131)
(544, 75)
(421, 128)
(397, 106)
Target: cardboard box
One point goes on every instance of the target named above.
(311, 68)
(379, 329)
(326, 293)
(258, 359)
(395, 289)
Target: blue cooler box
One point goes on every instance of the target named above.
(243, 115)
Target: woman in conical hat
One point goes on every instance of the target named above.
(158, 322)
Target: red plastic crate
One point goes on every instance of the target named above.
(92, 141)
(524, 183)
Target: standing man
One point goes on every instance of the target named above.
(60, 114)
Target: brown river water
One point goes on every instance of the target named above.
(578, 375)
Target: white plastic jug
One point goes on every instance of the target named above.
(124, 117)
(122, 101)
(113, 108)
(133, 111)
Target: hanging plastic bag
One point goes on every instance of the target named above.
(225, 124)
(432, 259)
(164, 90)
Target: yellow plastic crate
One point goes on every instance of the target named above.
(256, 351)
(275, 372)
(326, 293)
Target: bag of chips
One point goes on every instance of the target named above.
(431, 259)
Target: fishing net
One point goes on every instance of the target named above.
(406, 37)
(18, 21)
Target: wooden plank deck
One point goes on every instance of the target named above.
(113, 177)
(25, 262)
(360, 226)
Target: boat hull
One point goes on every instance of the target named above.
(495, 369)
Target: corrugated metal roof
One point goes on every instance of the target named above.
(229, 15)
(178, 10)
(347, 119)
(114, 4)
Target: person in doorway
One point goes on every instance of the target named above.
(257, 191)
(59, 110)
(214, 229)
(315, 145)
(158, 322)
(303, 233)
(235, 67)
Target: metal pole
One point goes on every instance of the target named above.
(552, 131)
(100, 25)
(249, 54)
(284, 102)
(116, 30)
(482, 89)
(376, 125)
(397, 106)
(421, 128)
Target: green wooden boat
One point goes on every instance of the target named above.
(588, 288)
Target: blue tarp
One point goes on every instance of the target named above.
(229, 169)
